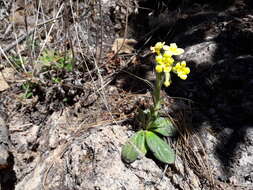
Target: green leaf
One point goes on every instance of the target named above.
(60, 65)
(28, 95)
(134, 148)
(143, 117)
(61, 60)
(163, 126)
(56, 80)
(161, 150)
(69, 67)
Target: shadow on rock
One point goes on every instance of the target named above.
(135, 79)
(8, 176)
(218, 49)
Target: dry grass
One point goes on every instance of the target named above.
(67, 27)
(191, 150)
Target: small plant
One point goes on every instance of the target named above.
(53, 60)
(18, 62)
(28, 88)
(54, 65)
(154, 126)
(56, 80)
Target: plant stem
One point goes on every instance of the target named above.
(157, 95)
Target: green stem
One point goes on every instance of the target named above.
(157, 95)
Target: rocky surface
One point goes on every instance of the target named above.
(89, 160)
(4, 144)
(55, 145)
(222, 61)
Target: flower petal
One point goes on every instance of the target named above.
(167, 83)
(187, 70)
(167, 69)
(183, 77)
(167, 53)
(179, 51)
(159, 68)
(159, 59)
(183, 63)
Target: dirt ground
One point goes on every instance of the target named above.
(73, 74)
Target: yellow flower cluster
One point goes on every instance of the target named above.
(165, 61)
(181, 70)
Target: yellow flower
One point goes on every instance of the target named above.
(159, 59)
(158, 46)
(167, 53)
(181, 70)
(167, 68)
(173, 49)
(164, 64)
(168, 60)
(165, 61)
(167, 81)
(159, 68)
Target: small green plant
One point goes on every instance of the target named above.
(56, 80)
(18, 62)
(28, 88)
(53, 60)
(154, 126)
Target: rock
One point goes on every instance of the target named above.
(122, 45)
(24, 136)
(4, 132)
(4, 143)
(4, 157)
(201, 53)
(93, 161)
(230, 154)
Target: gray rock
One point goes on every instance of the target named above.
(4, 157)
(201, 53)
(93, 161)
(4, 133)
(4, 142)
(240, 170)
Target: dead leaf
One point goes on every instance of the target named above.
(17, 17)
(22, 13)
(123, 46)
(6, 75)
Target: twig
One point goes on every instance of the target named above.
(5, 56)
(124, 38)
(50, 30)
(20, 39)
